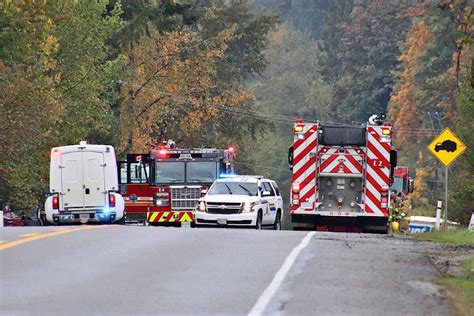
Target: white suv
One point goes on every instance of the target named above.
(241, 201)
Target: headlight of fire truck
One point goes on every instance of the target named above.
(161, 199)
(201, 206)
(247, 207)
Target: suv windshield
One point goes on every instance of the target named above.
(237, 188)
(201, 171)
(169, 172)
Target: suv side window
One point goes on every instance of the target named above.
(277, 190)
(268, 187)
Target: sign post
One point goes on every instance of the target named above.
(447, 147)
(438, 214)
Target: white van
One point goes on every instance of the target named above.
(84, 185)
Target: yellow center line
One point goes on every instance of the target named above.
(29, 235)
(41, 236)
(61, 229)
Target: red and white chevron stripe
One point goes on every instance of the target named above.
(335, 161)
(377, 174)
(304, 166)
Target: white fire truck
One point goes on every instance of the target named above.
(164, 186)
(341, 175)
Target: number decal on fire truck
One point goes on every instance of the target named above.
(377, 163)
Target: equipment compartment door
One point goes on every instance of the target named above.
(94, 182)
(71, 175)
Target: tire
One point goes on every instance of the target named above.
(258, 224)
(277, 224)
(121, 221)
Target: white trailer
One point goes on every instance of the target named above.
(84, 185)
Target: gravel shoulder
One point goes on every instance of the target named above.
(362, 274)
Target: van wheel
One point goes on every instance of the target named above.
(277, 224)
(258, 225)
(121, 221)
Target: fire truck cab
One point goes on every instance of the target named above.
(341, 175)
(164, 186)
(402, 182)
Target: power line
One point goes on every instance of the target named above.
(261, 166)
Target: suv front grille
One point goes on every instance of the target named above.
(223, 208)
(185, 197)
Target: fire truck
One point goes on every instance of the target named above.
(341, 175)
(402, 182)
(164, 185)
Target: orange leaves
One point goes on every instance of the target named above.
(404, 109)
(170, 87)
(417, 42)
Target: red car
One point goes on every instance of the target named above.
(11, 219)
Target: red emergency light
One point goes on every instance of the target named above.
(295, 188)
(163, 152)
(231, 149)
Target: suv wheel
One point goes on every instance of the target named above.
(258, 225)
(277, 224)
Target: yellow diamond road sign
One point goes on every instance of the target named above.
(446, 147)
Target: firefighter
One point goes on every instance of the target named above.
(405, 214)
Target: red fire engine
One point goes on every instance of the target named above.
(341, 175)
(163, 186)
(402, 182)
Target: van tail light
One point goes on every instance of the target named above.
(111, 200)
(384, 199)
(55, 202)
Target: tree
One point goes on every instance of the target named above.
(367, 55)
(169, 89)
(54, 86)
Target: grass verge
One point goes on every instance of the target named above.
(460, 286)
(451, 236)
(462, 289)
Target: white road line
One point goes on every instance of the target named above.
(271, 289)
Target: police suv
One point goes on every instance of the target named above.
(241, 201)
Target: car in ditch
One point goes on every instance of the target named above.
(251, 201)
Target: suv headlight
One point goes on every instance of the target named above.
(201, 206)
(247, 207)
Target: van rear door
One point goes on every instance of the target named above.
(83, 180)
(94, 180)
(71, 175)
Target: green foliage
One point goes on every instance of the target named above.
(54, 89)
(142, 16)
(451, 236)
(366, 55)
(87, 73)
(243, 56)
(462, 178)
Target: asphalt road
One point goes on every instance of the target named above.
(133, 270)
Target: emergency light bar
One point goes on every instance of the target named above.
(227, 175)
